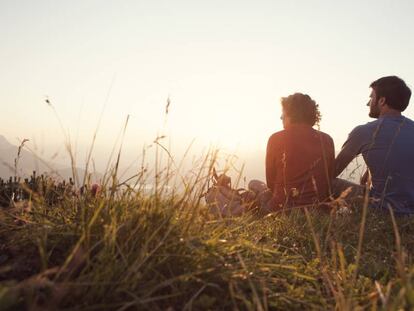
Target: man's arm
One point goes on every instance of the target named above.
(270, 165)
(350, 149)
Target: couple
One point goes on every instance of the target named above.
(301, 168)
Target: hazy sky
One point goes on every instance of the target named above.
(224, 65)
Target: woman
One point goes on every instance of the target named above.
(299, 159)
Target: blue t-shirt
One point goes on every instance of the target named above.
(387, 146)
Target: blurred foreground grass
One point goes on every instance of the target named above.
(131, 249)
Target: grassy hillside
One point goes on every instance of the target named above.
(128, 249)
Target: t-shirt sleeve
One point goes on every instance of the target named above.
(350, 149)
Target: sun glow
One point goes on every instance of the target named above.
(224, 78)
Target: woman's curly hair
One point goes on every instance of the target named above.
(301, 108)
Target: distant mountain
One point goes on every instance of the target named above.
(29, 162)
(4, 144)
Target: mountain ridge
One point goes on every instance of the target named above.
(28, 162)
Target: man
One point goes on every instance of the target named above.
(387, 146)
(299, 159)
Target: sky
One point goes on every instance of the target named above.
(222, 65)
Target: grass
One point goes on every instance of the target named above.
(134, 249)
(130, 249)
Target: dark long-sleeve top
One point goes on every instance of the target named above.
(299, 165)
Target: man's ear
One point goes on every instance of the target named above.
(381, 101)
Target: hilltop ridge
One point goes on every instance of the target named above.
(29, 162)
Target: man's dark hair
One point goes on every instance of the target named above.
(396, 93)
(300, 108)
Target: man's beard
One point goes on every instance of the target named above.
(374, 112)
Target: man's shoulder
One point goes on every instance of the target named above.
(409, 122)
(364, 129)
